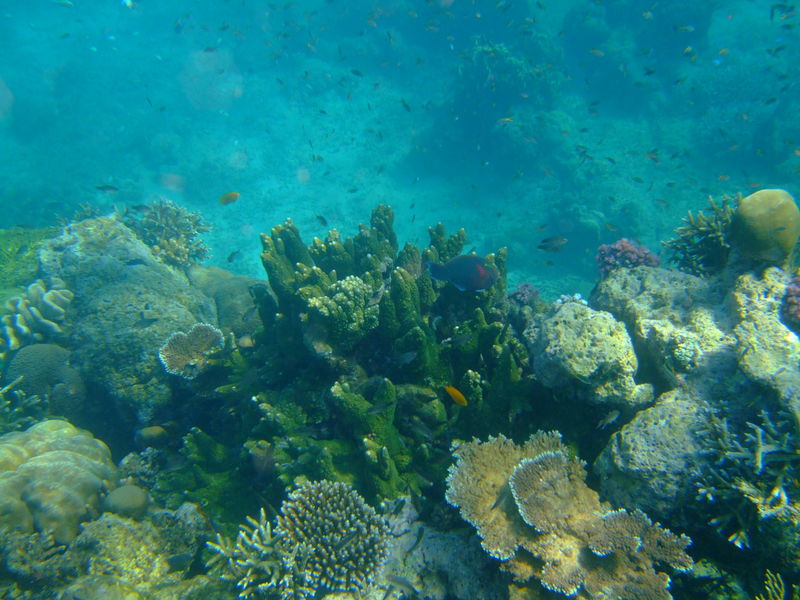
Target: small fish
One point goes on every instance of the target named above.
(552, 244)
(458, 340)
(234, 255)
(107, 189)
(504, 120)
(405, 104)
(468, 272)
(246, 341)
(356, 72)
(228, 198)
(597, 52)
(322, 220)
(376, 409)
(405, 358)
(402, 584)
(144, 322)
(456, 395)
(684, 28)
(180, 562)
(608, 419)
(64, 3)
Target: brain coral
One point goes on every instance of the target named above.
(51, 476)
(766, 226)
(329, 540)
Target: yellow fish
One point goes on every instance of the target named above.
(456, 395)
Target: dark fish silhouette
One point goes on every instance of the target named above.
(468, 272)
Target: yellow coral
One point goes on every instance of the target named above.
(766, 226)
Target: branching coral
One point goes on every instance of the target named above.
(579, 541)
(702, 245)
(170, 231)
(754, 475)
(187, 354)
(252, 560)
(330, 540)
(327, 539)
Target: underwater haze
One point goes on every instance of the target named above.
(266, 268)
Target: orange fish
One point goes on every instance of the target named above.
(456, 395)
(228, 198)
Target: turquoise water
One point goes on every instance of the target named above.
(517, 121)
(544, 130)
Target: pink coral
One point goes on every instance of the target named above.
(624, 253)
(790, 309)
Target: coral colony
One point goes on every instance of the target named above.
(344, 388)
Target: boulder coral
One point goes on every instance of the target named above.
(51, 478)
(766, 226)
(534, 511)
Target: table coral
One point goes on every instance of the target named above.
(186, 354)
(51, 477)
(580, 541)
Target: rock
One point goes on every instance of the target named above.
(126, 305)
(653, 463)
(589, 351)
(127, 501)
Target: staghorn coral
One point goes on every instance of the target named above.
(330, 540)
(327, 540)
(624, 253)
(577, 541)
(252, 560)
(702, 245)
(170, 231)
(39, 314)
(186, 354)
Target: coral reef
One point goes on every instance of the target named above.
(534, 497)
(327, 540)
(17, 409)
(170, 231)
(702, 245)
(51, 476)
(186, 354)
(38, 315)
(624, 253)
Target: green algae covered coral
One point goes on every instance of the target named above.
(18, 255)
(534, 511)
(327, 540)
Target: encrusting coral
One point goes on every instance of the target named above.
(186, 354)
(534, 497)
(327, 540)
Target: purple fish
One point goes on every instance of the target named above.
(468, 272)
